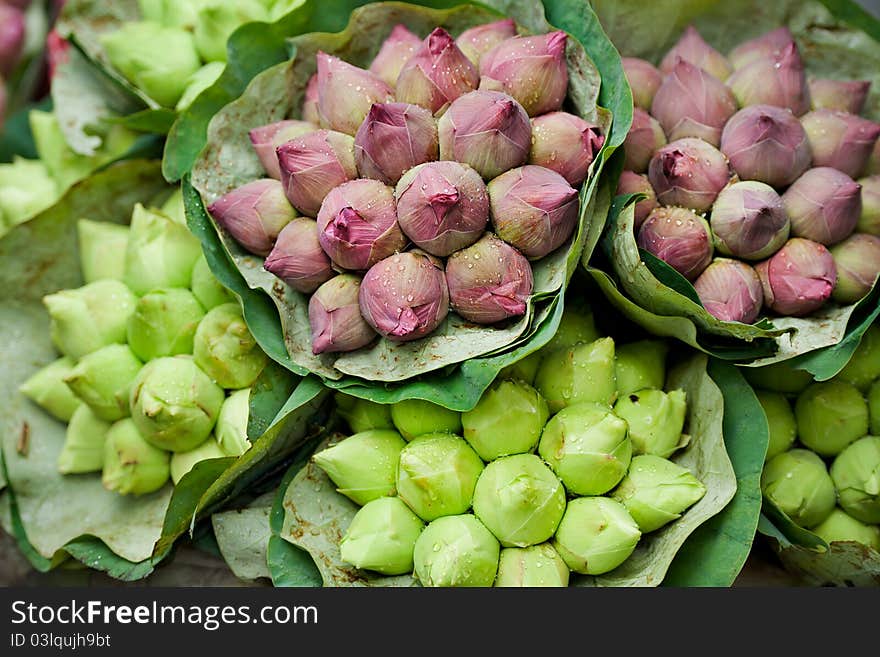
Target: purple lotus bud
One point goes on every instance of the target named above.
(309, 111)
(766, 143)
(404, 297)
(335, 316)
(12, 33)
(780, 81)
(479, 40)
(314, 164)
(644, 79)
(692, 103)
(565, 143)
(680, 238)
(442, 206)
(692, 48)
(488, 130)
(267, 138)
(749, 221)
(532, 69)
(688, 172)
(798, 278)
(842, 95)
(254, 214)
(840, 140)
(869, 220)
(638, 183)
(346, 92)
(645, 136)
(823, 205)
(395, 51)
(437, 74)
(298, 259)
(730, 290)
(394, 138)
(857, 259)
(534, 209)
(771, 44)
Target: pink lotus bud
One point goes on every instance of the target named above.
(267, 138)
(532, 69)
(644, 79)
(730, 290)
(565, 143)
(780, 81)
(766, 143)
(309, 111)
(869, 220)
(680, 238)
(487, 130)
(357, 224)
(254, 214)
(488, 281)
(395, 51)
(857, 259)
(843, 95)
(798, 278)
(534, 209)
(394, 138)
(12, 33)
(298, 259)
(638, 183)
(824, 205)
(770, 44)
(335, 316)
(749, 221)
(314, 164)
(840, 140)
(437, 74)
(692, 48)
(645, 136)
(692, 103)
(479, 40)
(442, 206)
(688, 172)
(405, 297)
(346, 92)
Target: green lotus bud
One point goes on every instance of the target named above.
(778, 377)
(656, 420)
(173, 13)
(364, 465)
(508, 419)
(90, 317)
(174, 403)
(830, 415)
(218, 19)
(856, 476)
(588, 448)
(103, 378)
(207, 289)
(83, 449)
(780, 420)
(874, 408)
(232, 423)
(198, 82)
(583, 373)
(863, 367)
(657, 491)
(640, 365)
(519, 500)
(173, 207)
(798, 482)
(414, 417)
(533, 566)
(596, 535)
(164, 323)
(524, 369)
(363, 414)
(183, 462)
(840, 526)
(225, 349)
(382, 537)
(46, 388)
(456, 551)
(577, 326)
(101, 249)
(26, 188)
(436, 475)
(132, 466)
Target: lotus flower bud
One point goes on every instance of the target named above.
(874, 407)
(645, 136)
(587, 446)
(396, 50)
(46, 387)
(577, 326)
(869, 220)
(477, 41)
(780, 81)
(174, 404)
(346, 92)
(769, 44)
(225, 349)
(487, 130)
(232, 420)
(405, 296)
(749, 220)
(162, 253)
(196, 83)
(689, 173)
(309, 109)
(596, 535)
(508, 419)
(254, 214)
(583, 373)
(382, 537)
(780, 421)
(840, 140)
(364, 465)
(856, 476)
(103, 378)
(839, 526)
(297, 257)
(456, 551)
(830, 415)
(638, 183)
(209, 291)
(83, 449)
(436, 475)
(656, 420)
(639, 365)
(182, 462)
(864, 365)
(132, 466)
(442, 206)
(313, 165)
(28, 188)
(730, 290)
(532, 69)
(173, 207)
(841, 95)
(164, 323)
(216, 20)
(679, 238)
(778, 377)
(12, 33)
(394, 138)
(798, 482)
(102, 248)
(566, 144)
(436, 74)
(523, 370)
(267, 138)
(693, 49)
(644, 79)
(824, 205)
(798, 278)
(531, 567)
(489, 281)
(857, 260)
(363, 414)
(416, 417)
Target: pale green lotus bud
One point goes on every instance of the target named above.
(588, 448)
(508, 419)
(226, 350)
(183, 462)
(27, 188)
(207, 289)
(583, 373)
(436, 475)
(364, 465)
(524, 369)
(164, 323)
(173, 13)
(173, 207)
(798, 482)
(90, 317)
(83, 449)
(103, 379)
(596, 535)
(863, 367)
(174, 403)
(382, 537)
(363, 414)
(456, 551)
(840, 526)
(656, 420)
(198, 82)
(639, 365)
(533, 566)
(874, 408)
(46, 387)
(780, 420)
(657, 491)
(830, 415)
(414, 417)
(216, 20)
(778, 377)
(232, 423)
(132, 466)
(101, 249)
(856, 476)
(577, 326)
